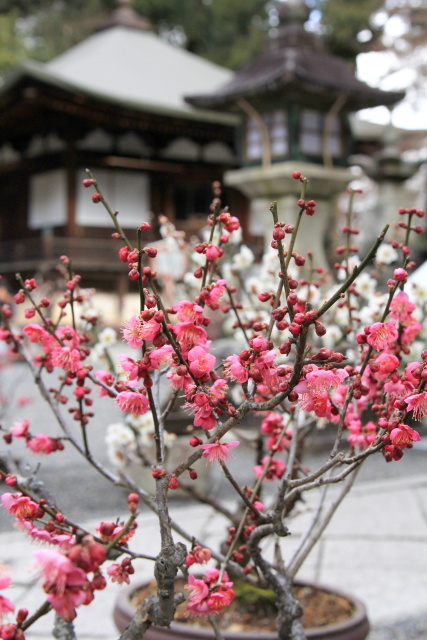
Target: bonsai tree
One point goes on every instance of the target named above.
(316, 348)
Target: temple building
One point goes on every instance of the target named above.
(113, 103)
(156, 125)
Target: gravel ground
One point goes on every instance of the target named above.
(409, 629)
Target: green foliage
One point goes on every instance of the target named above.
(58, 26)
(12, 49)
(249, 594)
(228, 32)
(344, 20)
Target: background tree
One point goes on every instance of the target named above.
(228, 33)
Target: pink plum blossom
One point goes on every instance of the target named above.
(418, 405)
(314, 389)
(66, 358)
(207, 595)
(410, 332)
(213, 252)
(272, 422)
(275, 468)
(187, 311)
(129, 365)
(120, 572)
(41, 443)
(401, 307)
(197, 555)
(403, 435)
(132, 402)
(107, 378)
(132, 332)
(161, 356)
(36, 334)
(20, 506)
(212, 293)
(200, 361)
(65, 584)
(6, 606)
(56, 537)
(382, 335)
(400, 274)
(387, 363)
(235, 369)
(189, 335)
(218, 451)
(20, 429)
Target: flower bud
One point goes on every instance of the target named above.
(158, 473)
(173, 483)
(133, 499)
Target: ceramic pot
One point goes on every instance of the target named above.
(356, 627)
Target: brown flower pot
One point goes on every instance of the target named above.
(356, 627)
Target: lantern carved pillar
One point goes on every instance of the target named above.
(263, 185)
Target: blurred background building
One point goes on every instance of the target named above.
(157, 122)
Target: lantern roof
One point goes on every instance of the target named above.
(296, 61)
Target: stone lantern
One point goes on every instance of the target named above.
(294, 99)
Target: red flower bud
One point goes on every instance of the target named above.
(158, 473)
(96, 197)
(133, 499)
(133, 275)
(319, 328)
(173, 483)
(278, 233)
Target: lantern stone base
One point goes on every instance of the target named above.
(263, 185)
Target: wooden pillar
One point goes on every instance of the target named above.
(71, 172)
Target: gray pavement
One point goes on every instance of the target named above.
(375, 547)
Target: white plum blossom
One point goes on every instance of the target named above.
(353, 262)
(90, 312)
(366, 285)
(372, 312)
(386, 254)
(121, 443)
(143, 425)
(97, 354)
(235, 237)
(332, 336)
(191, 281)
(107, 337)
(199, 259)
(243, 259)
(310, 294)
(418, 294)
